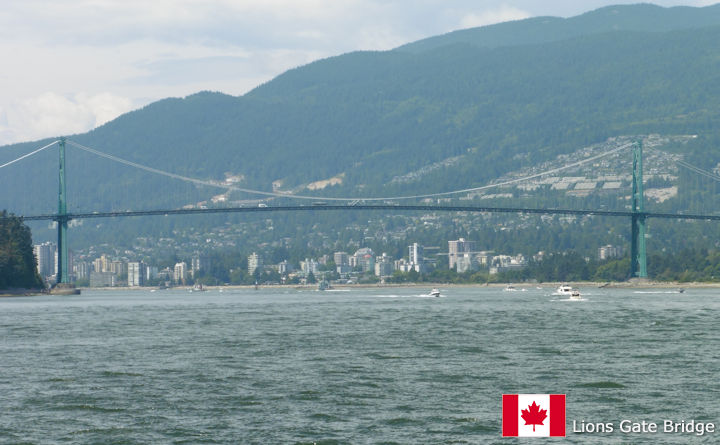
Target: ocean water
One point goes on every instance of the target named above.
(277, 366)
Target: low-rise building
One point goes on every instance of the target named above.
(103, 279)
(609, 251)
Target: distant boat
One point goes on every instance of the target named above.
(324, 285)
(681, 290)
(434, 293)
(575, 295)
(510, 288)
(564, 289)
(199, 288)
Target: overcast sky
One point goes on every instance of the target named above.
(68, 66)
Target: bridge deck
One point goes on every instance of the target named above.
(387, 207)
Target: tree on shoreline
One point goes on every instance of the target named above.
(18, 266)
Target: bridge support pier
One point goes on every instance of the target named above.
(638, 258)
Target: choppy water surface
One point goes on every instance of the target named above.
(363, 366)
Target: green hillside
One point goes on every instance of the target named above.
(369, 117)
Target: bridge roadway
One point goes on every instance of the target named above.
(386, 207)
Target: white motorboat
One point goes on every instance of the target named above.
(434, 293)
(510, 288)
(575, 295)
(564, 289)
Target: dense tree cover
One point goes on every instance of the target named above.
(18, 267)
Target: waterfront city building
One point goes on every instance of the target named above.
(609, 251)
(341, 259)
(45, 257)
(457, 249)
(384, 266)
(255, 262)
(136, 271)
(180, 272)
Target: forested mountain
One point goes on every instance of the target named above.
(475, 104)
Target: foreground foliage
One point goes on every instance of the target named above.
(18, 268)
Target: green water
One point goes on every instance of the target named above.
(362, 366)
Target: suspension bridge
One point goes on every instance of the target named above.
(637, 215)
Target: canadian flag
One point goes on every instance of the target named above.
(530, 415)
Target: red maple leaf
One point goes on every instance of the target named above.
(534, 416)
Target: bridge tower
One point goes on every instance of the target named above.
(638, 260)
(62, 222)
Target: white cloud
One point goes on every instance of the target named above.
(491, 16)
(101, 57)
(51, 114)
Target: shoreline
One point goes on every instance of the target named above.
(636, 284)
(9, 293)
(545, 285)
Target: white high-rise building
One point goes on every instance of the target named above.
(136, 273)
(384, 266)
(180, 272)
(45, 256)
(309, 266)
(458, 249)
(416, 253)
(254, 262)
(199, 262)
(416, 258)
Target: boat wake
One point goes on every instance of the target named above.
(409, 296)
(657, 292)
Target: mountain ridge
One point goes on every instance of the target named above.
(545, 29)
(374, 116)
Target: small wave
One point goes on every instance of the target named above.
(60, 379)
(602, 384)
(86, 407)
(324, 417)
(473, 425)
(378, 356)
(120, 374)
(105, 431)
(403, 421)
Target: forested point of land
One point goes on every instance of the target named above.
(18, 268)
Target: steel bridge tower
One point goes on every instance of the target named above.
(62, 222)
(638, 259)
